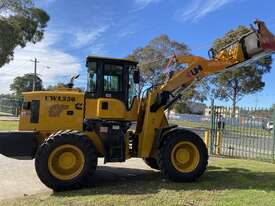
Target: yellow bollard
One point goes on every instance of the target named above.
(219, 143)
(206, 138)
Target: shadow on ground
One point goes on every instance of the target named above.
(109, 180)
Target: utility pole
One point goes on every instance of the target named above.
(35, 73)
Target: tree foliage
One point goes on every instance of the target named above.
(153, 59)
(25, 84)
(55, 87)
(182, 108)
(62, 85)
(20, 23)
(189, 108)
(233, 85)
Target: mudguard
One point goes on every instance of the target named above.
(165, 131)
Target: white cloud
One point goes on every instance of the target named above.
(86, 38)
(141, 4)
(126, 33)
(200, 8)
(62, 65)
(98, 49)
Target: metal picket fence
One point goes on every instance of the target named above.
(247, 133)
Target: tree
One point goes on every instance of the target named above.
(235, 84)
(153, 57)
(152, 61)
(195, 93)
(181, 107)
(62, 85)
(25, 84)
(20, 23)
(54, 87)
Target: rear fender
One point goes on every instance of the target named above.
(166, 132)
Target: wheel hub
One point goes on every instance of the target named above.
(66, 162)
(185, 156)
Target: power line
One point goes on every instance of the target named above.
(17, 67)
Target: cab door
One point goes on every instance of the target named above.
(107, 94)
(114, 82)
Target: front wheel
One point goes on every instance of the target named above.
(183, 157)
(66, 160)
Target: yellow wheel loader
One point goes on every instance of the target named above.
(67, 130)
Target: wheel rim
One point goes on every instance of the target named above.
(66, 162)
(185, 156)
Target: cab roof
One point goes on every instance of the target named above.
(100, 58)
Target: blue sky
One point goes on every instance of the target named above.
(116, 27)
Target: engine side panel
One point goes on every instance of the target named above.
(52, 111)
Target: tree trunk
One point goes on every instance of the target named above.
(234, 103)
(234, 97)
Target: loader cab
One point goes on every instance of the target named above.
(111, 88)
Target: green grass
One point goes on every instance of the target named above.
(191, 124)
(227, 182)
(8, 125)
(5, 114)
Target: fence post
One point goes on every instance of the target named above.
(206, 138)
(219, 142)
(273, 134)
(212, 127)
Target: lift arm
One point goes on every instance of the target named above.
(248, 49)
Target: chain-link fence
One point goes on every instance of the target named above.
(10, 106)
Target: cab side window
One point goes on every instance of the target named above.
(92, 77)
(131, 87)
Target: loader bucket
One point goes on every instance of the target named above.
(258, 43)
(266, 38)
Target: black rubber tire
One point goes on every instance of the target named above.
(152, 162)
(168, 170)
(55, 140)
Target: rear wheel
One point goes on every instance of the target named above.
(152, 162)
(183, 156)
(66, 160)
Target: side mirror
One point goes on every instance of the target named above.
(136, 76)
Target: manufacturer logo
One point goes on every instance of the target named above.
(79, 106)
(56, 109)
